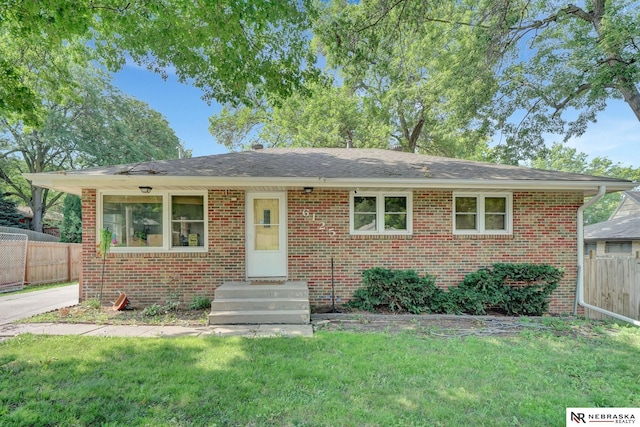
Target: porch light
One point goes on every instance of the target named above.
(308, 190)
(145, 190)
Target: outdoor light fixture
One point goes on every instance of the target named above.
(308, 190)
(145, 190)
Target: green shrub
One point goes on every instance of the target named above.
(200, 303)
(515, 289)
(153, 310)
(534, 283)
(395, 290)
(91, 303)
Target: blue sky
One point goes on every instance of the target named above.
(616, 135)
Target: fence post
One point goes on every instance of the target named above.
(68, 262)
(27, 262)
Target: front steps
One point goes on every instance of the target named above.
(244, 303)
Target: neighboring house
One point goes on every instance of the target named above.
(51, 221)
(190, 225)
(620, 234)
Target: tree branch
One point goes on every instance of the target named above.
(559, 107)
(382, 16)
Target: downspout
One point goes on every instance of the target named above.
(580, 279)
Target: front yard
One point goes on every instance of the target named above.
(335, 378)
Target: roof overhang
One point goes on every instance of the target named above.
(74, 183)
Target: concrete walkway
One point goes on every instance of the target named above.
(147, 331)
(20, 306)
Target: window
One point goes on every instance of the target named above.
(618, 248)
(380, 213)
(187, 221)
(488, 213)
(154, 222)
(134, 221)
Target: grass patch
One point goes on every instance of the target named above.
(33, 288)
(334, 378)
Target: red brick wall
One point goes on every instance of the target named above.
(149, 278)
(544, 231)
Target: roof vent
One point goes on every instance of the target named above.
(257, 146)
(396, 147)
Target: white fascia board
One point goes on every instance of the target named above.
(78, 181)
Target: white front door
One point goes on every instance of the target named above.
(266, 235)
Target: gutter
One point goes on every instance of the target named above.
(580, 279)
(79, 181)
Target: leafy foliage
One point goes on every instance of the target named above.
(566, 159)
(329, 117)
(99, 126)
(387, 82)
(395, 290)
(515, 289)
(200, 303)
(71, 227)
(560, 59)
(9, 214)
(225, 48)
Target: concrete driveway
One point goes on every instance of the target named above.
(19, 306)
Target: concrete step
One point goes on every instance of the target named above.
(285, 317)
(246, 290)
(245, 304)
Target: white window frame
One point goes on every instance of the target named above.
(166, 221)
(480, 223)
(380, 195)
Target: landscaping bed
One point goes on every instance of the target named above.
(349, 319)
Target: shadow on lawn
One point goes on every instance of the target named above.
(331, 379)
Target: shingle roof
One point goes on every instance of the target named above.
(635, 195)
(625, 228)
(336, 163)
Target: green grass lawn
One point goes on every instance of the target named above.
(332, 379)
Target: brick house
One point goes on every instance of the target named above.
(192, 225)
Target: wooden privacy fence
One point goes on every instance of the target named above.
(49, 262)
(612, 283)
(13, 259)
(46, 262)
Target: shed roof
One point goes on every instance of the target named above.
(623, 228)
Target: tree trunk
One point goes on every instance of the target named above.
(631, 97)
(415, 134)
(36, 207)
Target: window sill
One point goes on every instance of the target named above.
(156, 251)
(483, 236)
(381, 236)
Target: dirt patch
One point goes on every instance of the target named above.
(433, 325)
(450, 326)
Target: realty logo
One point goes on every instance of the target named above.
(602, 415)
(577, 417)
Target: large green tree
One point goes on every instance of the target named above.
(567, 159)
(330, 117)
(426, 79)
(561, 63)
(225, 47)
(397, 79)
(99, 125)
(554, 64)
